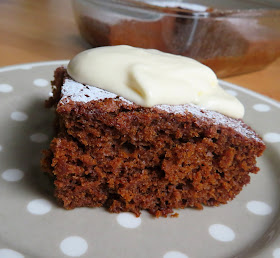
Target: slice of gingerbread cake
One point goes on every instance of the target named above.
(111, 151)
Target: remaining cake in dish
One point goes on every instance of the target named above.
(109, 151)
(231, 41)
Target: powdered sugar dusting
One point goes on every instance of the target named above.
(213, 116)
(84, 93)
(126, 100)
(178, 109)
(78, 92)
(81, 93)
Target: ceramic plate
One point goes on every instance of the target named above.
(32, 225)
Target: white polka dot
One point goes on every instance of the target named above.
(261, 107)
(74, 246)
(38, 137)
(221, 232)
(50, 94)
(8, 253)
(276, 253)
(272, 137)
(19, 116)
(128, 220)
(12, 175)
(259, 208)
(39, 206)
(232, 92)
(175, 254)
(6, 88)
(41, 82)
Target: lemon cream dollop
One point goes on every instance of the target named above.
(150, 77)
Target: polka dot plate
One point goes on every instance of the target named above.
(32, 225)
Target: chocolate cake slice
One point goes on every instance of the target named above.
(111, 152)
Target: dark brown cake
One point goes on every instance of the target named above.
(110, 152)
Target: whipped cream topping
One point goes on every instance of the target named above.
(150, 77)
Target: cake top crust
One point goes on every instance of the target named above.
(77, 92)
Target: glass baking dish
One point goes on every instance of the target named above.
(231, 37)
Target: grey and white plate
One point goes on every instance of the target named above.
(32, 225)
